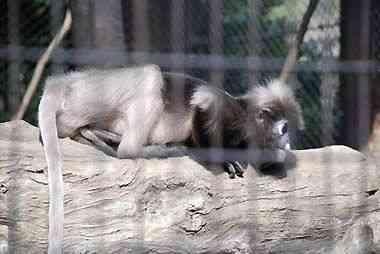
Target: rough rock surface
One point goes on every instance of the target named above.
(176, 205)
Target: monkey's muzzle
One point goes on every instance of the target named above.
(281, 134)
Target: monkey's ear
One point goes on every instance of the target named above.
(242, 102)
(247, 109)
(265, 113)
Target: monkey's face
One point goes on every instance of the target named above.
(273, 129)
(280, 132)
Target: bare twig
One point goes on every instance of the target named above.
(297, 41)
(32, 86)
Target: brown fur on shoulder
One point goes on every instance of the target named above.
(230, 120)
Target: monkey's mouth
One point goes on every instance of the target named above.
(282, 143)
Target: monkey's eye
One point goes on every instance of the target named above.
(284, 128)
(281, 128)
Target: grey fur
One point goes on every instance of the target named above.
(135, 112)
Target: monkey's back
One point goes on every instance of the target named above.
(91, 96)
(104, 98)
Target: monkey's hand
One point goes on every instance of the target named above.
(268, 157)
(234, 168)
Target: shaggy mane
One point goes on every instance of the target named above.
(279, 97)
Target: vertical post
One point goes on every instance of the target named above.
(15, 86)
(14, 96)
(328, 90)
(177, 41)
(82, 29)
(140, 29)
(355, 90)
(82, 23)
(216, 45)
(108, 27)
(329, 86)
(57, 10)
(374, 142)
(98, 24)
(177, 30)
(216, 33)
(255, 43)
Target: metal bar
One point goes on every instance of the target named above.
(210, 62)
(140, 29)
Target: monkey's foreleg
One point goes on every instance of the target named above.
(266, 157)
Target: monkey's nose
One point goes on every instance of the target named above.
(284, 129)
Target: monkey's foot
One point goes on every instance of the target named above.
(233, 168)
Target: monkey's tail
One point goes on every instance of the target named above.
(48, 126)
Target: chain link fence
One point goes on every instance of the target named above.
(235, 43)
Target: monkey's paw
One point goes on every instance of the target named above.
(233, 168)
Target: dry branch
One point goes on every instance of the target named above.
(32, 86)
(292, 56)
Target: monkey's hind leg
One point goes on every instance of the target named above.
(80, 139)
(108, 143)
(89, 137)
(107, 136)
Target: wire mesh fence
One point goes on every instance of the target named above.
(233, 43)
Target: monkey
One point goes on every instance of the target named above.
(133, 112)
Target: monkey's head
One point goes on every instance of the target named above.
(272, 115)
(263, 118)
